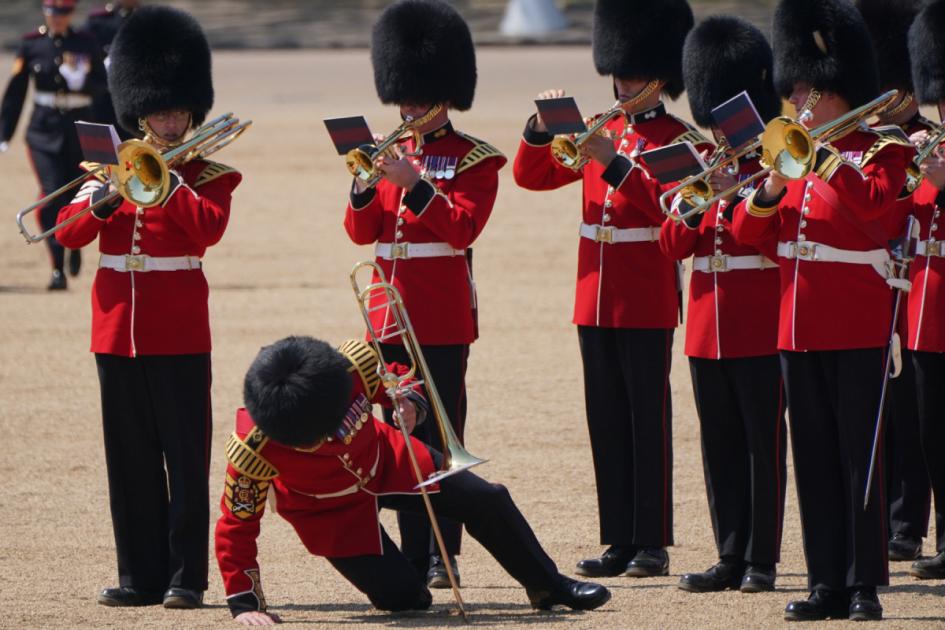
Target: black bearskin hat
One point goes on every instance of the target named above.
(297, 390)
(888, 22)
(160, 60)
(927, 50)
(642, 39)
(723, 56)
(824, 43)
(423, 53)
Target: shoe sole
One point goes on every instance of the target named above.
(593, 574)
(756, 588)
(641, 572)
(595, 604)
(922, 575)
(117, 603)
(866, 617)
(441, 582)
(180, 603)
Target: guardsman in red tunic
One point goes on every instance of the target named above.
(731, 335)
(909, 496)
(835, 313)
(150, 321)
(627, 306)
(425, 213)
(926, 341)
(67, 70)
(307, 440)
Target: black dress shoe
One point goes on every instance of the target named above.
(57, 282)
(75, 262)
(929, 568)
(437, 576)
(864, 605)
(176, 597)
(649, 562)
(128, 596)
(758, 579)
(822, 604)
(573, 594)
(612, 563)
(903, 548)
(722, 576)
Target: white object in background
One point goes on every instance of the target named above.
(532, 17)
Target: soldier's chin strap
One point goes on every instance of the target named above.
(631, 103)
(807, 110)
(151, 137)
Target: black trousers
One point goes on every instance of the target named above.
(629, 418)
(448, 367)
(744, 443)
(157, 426)
(392, 582)
(833, 398)
(930, 380)
(54, 170)
(907, 478)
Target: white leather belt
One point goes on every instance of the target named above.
(724, 262)
(930, 248)
(824, 253)
(611, 234)
(62, 101)
(143, 262)
(394, 251)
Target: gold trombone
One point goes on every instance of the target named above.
(142, 175)
(455, 457)
(787, 148)
(566, 149)
(914, 175)
(360, 160)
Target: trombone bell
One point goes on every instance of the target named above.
(787, 148)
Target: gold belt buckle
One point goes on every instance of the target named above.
(399, 250)
(804, 251)
(933, 248)
(135, 262)
(718, 263)
(604, 234)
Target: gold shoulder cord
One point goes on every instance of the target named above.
(363, 360)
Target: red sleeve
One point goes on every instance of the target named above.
(380, 396)
(871, 191)
(242, 506)
(678, 240)
(203, 212)
(458, 216)
(363, 217)
(535, 169)
(84, 230)
(756, 225)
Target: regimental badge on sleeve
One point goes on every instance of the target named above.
(245, 496)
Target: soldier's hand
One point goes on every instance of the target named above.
(407, 412)
(773, 186)
(721, 180)
(539, 123)
(257, 618)
(934, 170)
(600, 149)
(919, 138)
(398, 170)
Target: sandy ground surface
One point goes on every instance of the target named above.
(283, 268)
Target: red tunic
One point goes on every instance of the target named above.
(328, 494)
(619, 285)
(834, 305)
(927, 297)
(438, 292)
(155, 312)
(731, 313)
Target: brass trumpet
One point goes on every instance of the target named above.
(566, 149)
(914, 176)
(455, 457)
(787, 148)
(360, 160)
(142, 175)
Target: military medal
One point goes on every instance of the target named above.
(451, 168)
(440, 173)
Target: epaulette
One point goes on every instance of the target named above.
(365, 361)
(481, 150)
(39, 32)
(884, 138)
(88, 167)
(212, 171)
(244, 455)
(691, 134)
(104, 11)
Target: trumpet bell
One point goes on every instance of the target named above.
(787, 148)
(142, 174)
(359, 162)
(566, 152)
